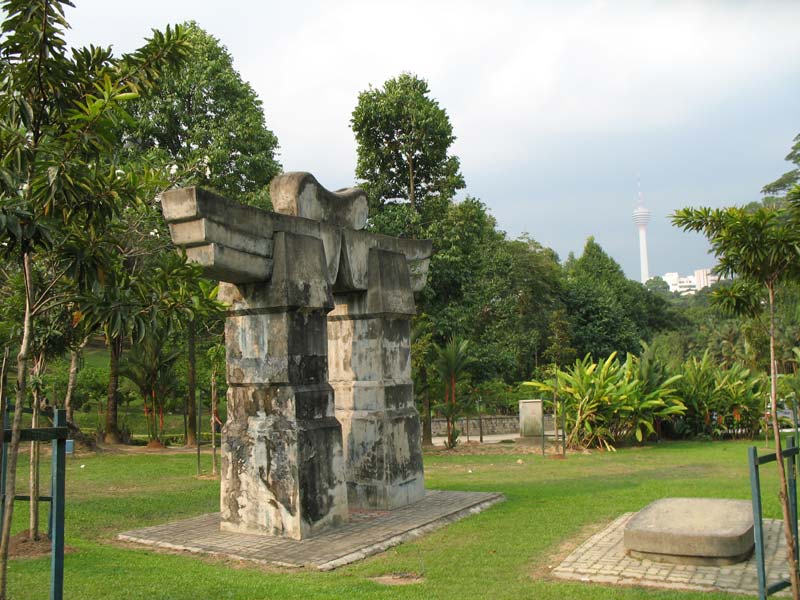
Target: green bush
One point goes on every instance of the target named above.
(720, 402)
(91, 387)
(607, 403)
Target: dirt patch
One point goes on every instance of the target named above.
(21, 546)
(398, 579)
(205, 449)
(543, 569)
(504, 449)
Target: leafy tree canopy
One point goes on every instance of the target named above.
(209, 123)
(788, 180)
(657, 285)
(404, 139)
(609, 312)
(756, 244)
(761, 248)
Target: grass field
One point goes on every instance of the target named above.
(500, 554)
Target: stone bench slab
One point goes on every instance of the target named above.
(692, 531)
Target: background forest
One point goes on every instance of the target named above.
(128, 337)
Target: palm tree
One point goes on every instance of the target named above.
(452, 362)
(149, 365)
(122, 312)
(216, 355)
(759, 247)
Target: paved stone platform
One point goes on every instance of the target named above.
(367, 533)
(602, 559)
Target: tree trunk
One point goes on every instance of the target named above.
(427, 434)
(3, 379)
(3, 374)
(147, 411)
(3, 399)
(214, 421)
(447, 414)
(776, 432)
(451, 416)
(453, 392)
(74, 363)
(33, 477)
(112, 435)
(411, 195)
(16, 426)
(480, 422)
(33, 472)
(191, 418)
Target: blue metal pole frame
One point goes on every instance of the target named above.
(59, 475)
(758, 525)
(790, 453)
(792, 485)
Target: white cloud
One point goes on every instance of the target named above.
(507, 72)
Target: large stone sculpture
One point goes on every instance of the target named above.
(321, 412)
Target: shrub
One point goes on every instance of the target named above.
(606, 403)
(720, 402)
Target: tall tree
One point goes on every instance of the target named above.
(216, 356)
(497, 293)
(150, 367)
(607, 311)
(760, 246)
(452, 361)
(122, 312)
(58, 115)
(789, 180)
(209, 123)
(404, 159)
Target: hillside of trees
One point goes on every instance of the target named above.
(98, 313)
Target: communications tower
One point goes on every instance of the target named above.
(641, 216)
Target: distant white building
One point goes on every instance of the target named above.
(690, 284)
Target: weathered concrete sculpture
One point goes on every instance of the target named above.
(292, 456)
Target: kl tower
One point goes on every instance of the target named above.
(641, 216)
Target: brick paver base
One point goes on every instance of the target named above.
(368, 532)
(602, 559)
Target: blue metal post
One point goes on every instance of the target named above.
(52, 491)
(59, 473)
(758, 526)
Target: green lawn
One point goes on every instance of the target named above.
(492, 555)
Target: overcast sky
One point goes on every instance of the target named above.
(558, 106)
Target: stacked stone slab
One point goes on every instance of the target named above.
(369, 336)
(292, 455)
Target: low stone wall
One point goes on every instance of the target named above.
(492, 425)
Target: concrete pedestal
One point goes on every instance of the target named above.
(282, 459)
(694, 531)
(369, 337)
(531, 418)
